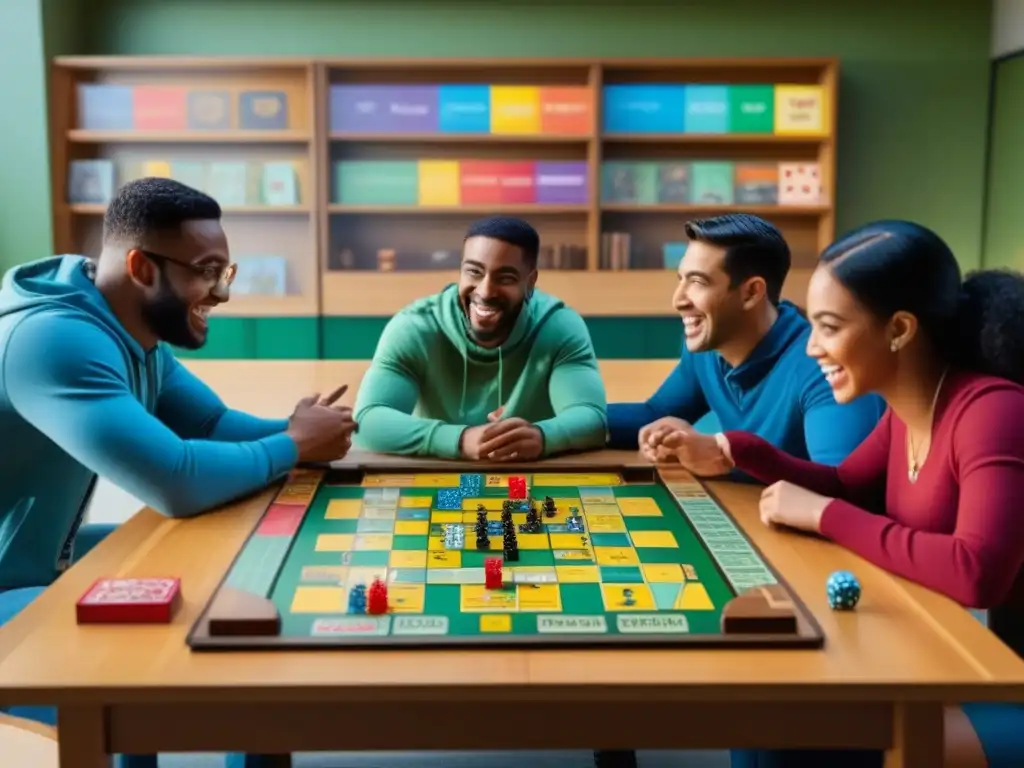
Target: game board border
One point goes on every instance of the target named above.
(812, 637)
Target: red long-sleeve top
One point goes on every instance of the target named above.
(959, 529)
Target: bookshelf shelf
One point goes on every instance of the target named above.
(599, 154)
(187, 137)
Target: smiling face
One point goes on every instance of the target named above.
(711, 310)
(493, 285)
(193, 277)
(852, 345)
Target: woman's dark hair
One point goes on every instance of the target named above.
(977, 323)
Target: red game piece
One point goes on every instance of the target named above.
(129, 601)
(492, 572)
(377, 597)
(517, 487)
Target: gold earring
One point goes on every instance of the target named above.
(894, 345)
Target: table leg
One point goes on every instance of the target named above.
(917, 736)
(82, 737)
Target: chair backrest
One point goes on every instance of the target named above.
(27, 744)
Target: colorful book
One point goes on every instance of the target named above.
(160, 108)
(263, 110)
(478, 181)
(672, 253)
(159, 169)
(384, 108)
(644, 108)
(800, 184)
(261, 275)
(91, 181)
(105, 107)
(564, 183)
(228, 183)
(566, 110)
(515, 109)
(757, 183)
(751, 109)
(517, 181)
(280, 184)
(190, 173)
(438, 182)
(208, 110)
(706, 109)
(712, 182)
(629, 182)
(377, 182)
(800, 110)
(464, 108)
(674, 182)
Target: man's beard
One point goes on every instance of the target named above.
(509, 315)
(167, 316)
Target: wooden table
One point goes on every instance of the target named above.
(880, 681)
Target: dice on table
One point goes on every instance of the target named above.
(492, 573)
(517, 487)
(843, 591)
(377, 597)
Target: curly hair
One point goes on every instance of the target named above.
(976, 322)
(152, 204)
(510, 230)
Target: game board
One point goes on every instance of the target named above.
(627, 556)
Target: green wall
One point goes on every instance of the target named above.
(913, 95)
(1004, 214)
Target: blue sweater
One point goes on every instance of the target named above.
(79, 397)
(778, 392)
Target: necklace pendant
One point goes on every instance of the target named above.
(912, 474)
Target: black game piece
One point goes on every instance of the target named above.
(549, 507)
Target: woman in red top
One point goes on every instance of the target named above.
(936, 492)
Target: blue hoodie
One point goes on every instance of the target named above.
(80, 397)
(778, 392)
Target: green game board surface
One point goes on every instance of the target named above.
(656, 562)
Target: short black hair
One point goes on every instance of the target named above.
(975, 323)
(154, 204)
(509, 230)
(753, 248)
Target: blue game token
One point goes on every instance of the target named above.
(843, 591)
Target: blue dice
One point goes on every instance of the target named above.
(843, 591)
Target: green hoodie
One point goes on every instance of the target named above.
(429, 380)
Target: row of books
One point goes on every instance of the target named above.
(618, 254)
(113, 107)
(230, 183)
(458, 182)
(711, 182)
(558, 256)
(626, 108)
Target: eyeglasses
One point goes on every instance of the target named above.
(213, 273)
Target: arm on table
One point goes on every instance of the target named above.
(76, 393)
(680, 395)
(832, 431)
(577, 393)
(978, 562)
(193, 410)
(388, 395)
(859, 477)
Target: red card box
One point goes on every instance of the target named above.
(129, 601)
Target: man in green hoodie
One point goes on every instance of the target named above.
(490, 368)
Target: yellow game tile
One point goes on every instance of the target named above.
(487, 502)
(605, 523)
(578, 574)
(435, 543)
(412, 527)
(334, 542)
(694, 597)
(406, 598)
(447, 558)
(496, 622)
(445, 516)
(567, 540)
(476, 597)
(343, 509)
(666, 573)
(578, 479)
(415, 502)
(392, 481)
(539, 597)
(496, 481)
(654, 539)
(437, 481)
(627, 597)
(366, 542)
(532, 540)
(324, 574)
(571, 554)
(407, 558)
(639, 506)
(309, 599)
(616, 556)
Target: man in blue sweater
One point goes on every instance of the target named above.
(89, 387)
(745, 364)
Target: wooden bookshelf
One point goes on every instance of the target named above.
(332, 236)
(217, 127)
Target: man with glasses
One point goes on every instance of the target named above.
(89, 387)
